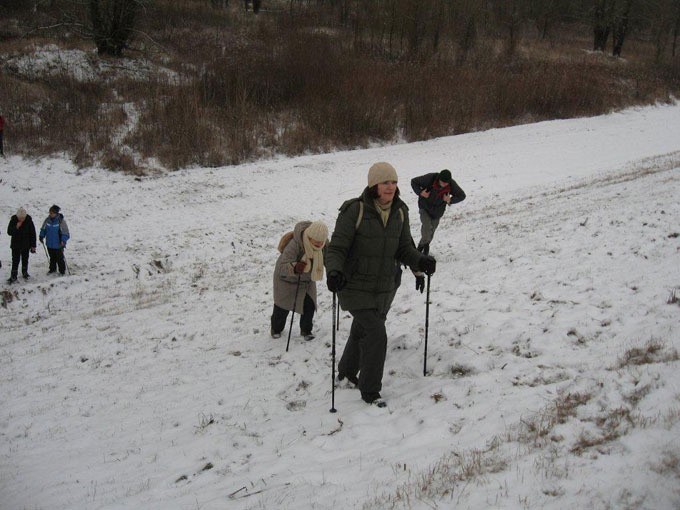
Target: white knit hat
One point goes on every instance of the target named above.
(317, 231)
(21, 213)
(381, 172)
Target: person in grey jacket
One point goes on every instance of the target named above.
(297, 270)
(435, 192)
(371, 237)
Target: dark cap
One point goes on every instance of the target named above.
(445, 176)
(55, 209)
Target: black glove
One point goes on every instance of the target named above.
(427, 265)
(420, 283)
(335, 281)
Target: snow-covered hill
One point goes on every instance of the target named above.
(147, 378)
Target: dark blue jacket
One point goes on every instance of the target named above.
(434, 204)
(55, 232)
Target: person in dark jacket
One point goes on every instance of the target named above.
(371, 237)
(22, 231)
(435, 191)
(55, 232)
(297, 270)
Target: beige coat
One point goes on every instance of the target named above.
(285, 279)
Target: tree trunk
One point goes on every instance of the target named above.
(620, 29)
(601, 26)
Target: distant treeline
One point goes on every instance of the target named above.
(235, 82)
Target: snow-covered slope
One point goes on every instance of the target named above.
(147, 378)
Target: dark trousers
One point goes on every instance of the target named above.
(57, 259)
(2, 148)
(279, 316)
(365, 350)
(19, 254)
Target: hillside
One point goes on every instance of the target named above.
(147, 377)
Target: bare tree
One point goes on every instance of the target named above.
(663, 19)
(511, 15)
(620, 26)
(112, 24)
(602, 14)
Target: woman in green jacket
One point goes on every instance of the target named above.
(371, 238)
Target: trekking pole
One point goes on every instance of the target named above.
(333, 409)
(427, 324)
(64, 257)
(293, 312)
(46, 255)
(337, 321)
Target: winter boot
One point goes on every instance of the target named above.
(12, 279)
(307, 335)
(373, 399)
(274, 334)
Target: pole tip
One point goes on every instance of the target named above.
(334, 410)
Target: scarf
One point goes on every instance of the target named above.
(441, 190)
(384, 211)
(313, 258)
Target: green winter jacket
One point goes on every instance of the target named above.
(368, 253)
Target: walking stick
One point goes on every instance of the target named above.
(427, 324)
(65, 263)
(333, 409)
(46, 255)
(293, 312)
(337, 321)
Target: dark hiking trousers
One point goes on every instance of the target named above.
(279, 316)
(19, 255)
(365, 350)
(57, 259)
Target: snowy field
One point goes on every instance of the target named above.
(147, 379)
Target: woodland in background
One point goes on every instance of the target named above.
(235, 81)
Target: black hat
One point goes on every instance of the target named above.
(445, 176)
(55, 209)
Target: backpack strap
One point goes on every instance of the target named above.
(360, 216)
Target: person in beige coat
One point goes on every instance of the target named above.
(297, 270)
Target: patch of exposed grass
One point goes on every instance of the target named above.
(655, 351)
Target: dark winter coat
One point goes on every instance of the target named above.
(435, 205)
(367, 255)
(285, 279)
(23, 237)
(55, 232)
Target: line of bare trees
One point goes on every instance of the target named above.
(416, 24)
(399, 27)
